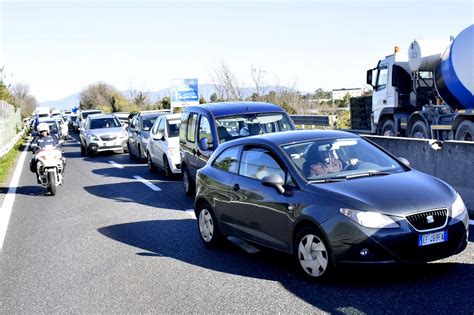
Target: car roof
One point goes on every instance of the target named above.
(235, 108)
(91, 110)
(293, 136)
(173, 116)
(99, 116)
(150, 115)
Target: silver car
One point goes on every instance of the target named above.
(102, 133)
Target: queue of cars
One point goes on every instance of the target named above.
(326, 197)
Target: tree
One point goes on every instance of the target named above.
(5, 94)
(226, 83)
(165, 103)
(102, 95)
(22, 99)
(258, 79)
(202, 100)
(214, 98)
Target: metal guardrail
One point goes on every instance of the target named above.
(310, 120)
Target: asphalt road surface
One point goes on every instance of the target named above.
(118, 239)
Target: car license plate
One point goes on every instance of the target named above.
(432, 238)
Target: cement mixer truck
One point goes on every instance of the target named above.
(427, 95)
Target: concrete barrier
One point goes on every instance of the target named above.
(451, 161)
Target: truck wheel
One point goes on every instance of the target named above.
(465, 131)
(388, 128)
(419, 130)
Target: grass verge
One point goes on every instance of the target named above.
(8, 160)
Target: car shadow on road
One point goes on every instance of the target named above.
(140, 194)
(26, 190)
(429, 288)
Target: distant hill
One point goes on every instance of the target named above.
(205, 90)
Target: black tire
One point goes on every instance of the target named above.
(130, 153)
(465, 131)
(140, 157)
(316, 262)
(151, 166)
(419, 130)
(207, 226)
(52, 183)
(388, 128)
(83, 150)
(188, 184)
(166, 168)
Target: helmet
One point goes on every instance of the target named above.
(43, 127)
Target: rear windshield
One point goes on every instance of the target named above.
(173, 128)
(104, 123)
(147, 123)
(233, 127)
(84, 115)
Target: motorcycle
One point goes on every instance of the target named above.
(49, 166)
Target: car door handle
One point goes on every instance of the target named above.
(236, 187)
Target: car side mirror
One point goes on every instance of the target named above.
(404, 161)
(274, 180)
(203, 144)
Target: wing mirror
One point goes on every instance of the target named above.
(205, 145)
(370, 77)
(404, 161)
(274, 180)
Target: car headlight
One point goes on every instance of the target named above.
(373, 220)
(458, 208)
(93, 137)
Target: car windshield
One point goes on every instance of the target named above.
(147, 123)
(233, 127)
(341, 159)
(104, 123)
(84, 115)
(173, 127)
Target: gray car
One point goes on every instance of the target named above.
(102, 133)
(328, 198)
(139, 133)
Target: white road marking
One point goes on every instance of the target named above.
(7, 206)
(191, 213)
(471, 222)
(116, 164)
(144, 181)
(244, 245)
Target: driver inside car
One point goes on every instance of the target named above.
(323, 162)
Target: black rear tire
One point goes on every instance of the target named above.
(151, 166)
(465, 131)
(419, 131)
(188, 183)
(167, 168)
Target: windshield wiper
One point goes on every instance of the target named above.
(367, 174)
(329, 180)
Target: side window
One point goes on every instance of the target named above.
(191, 134)
(228, 160)
(132, 122)
(161, 128)
(154, 129)
(183, 127)
(258, 163)
(205, 131)
(382, 79)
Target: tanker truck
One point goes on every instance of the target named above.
(427, 95)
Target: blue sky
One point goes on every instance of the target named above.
(60, 47)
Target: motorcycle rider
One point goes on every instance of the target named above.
(42, 140)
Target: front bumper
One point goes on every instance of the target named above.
(175, 164)
(102, 146)
(352, 243)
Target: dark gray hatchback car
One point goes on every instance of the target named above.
(329, 198)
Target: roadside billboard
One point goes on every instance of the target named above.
(184, 92)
